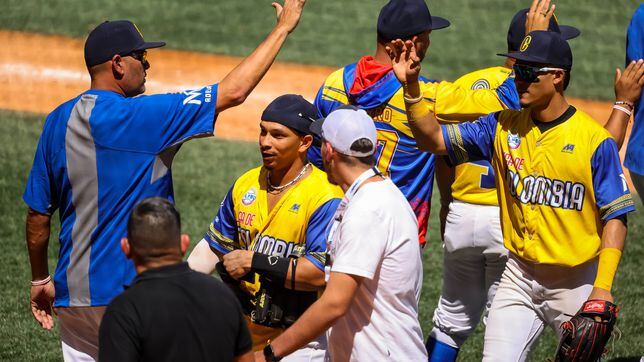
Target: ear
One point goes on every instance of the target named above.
(558, 78)
(185, 243)
(125, 246)
(305, 142)
(118, 66)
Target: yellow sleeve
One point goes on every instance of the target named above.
(455, 103)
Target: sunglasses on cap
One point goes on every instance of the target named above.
(531, 74)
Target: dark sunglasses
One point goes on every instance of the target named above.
(531, 74)
(140, 55)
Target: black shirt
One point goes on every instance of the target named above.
(173, 313)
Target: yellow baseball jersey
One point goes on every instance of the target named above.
(296, 226)
(556, 187)
(397, 155)
(474, 181)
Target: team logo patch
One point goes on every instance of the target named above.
(249, 197)
(295, 208)
(514, 141)
(481, 84)
(569, 148)
(526, 43)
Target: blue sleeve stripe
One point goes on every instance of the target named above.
(455, 145)
(219, 242)
(617, 207)
(318, 259)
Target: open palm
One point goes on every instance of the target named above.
(405, 61)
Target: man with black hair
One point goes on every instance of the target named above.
(105, 150)
(270, 230)
(369, 84)
(170, 312)
(374, 271)
(562, 193)
(473, 253)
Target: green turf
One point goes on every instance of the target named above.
(337, 32)
(203, 172)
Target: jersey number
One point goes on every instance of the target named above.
(487, 174)
(387, 144)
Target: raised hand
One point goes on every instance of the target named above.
(405, 61)
(628, 85)
(288, 15)
(539, 15)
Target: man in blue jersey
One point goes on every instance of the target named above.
(101, 153)
(634, 160)
(370, 84)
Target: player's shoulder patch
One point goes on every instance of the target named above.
(481, 84)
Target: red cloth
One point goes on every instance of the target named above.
(368, 72)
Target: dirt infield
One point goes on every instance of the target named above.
(38, 72)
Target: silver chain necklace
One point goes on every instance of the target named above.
(283, 187)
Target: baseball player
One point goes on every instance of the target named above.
(473, 253)
(102, 152)
(562, 193)
(374, 271)
(370, 84)
(270, 230)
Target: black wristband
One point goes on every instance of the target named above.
(269, 355)
(273, 267)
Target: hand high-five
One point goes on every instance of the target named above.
(539, 15)
(628, 85)
(288, 15)
(405, 61)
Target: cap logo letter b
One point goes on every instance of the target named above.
(526, 43)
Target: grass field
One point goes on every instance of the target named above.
(203, 172)
(337, 32)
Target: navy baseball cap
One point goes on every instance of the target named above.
(402, 19)
(292, 111)
(114, 37)
(546, 47)
(516, 32)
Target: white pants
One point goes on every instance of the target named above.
(313, 352)
(79, 332)
(529, 297)
(473, 260)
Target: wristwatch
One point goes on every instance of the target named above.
(269, 355)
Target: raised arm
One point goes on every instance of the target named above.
(238, 84)
(628, 88)
(423, 123)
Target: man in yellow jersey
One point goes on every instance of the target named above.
(369, 84)
(562, 192)
(270, 230)
(473, 253)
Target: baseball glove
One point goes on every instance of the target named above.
(585, 335)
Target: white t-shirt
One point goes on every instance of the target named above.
(378, 239)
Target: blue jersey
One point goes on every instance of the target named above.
(398, 155)
(100, 154)
(634, 160)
